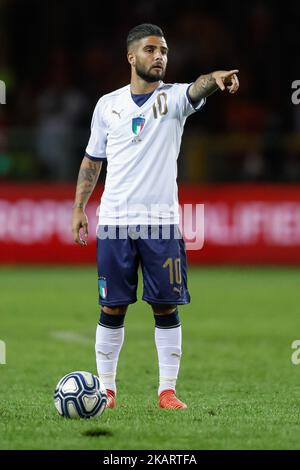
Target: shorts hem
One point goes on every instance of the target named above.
(171, 301)
(117, 302)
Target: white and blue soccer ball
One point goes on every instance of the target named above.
(80, 395)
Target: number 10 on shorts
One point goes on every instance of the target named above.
(174, 267)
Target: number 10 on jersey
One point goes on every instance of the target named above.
(160, 105)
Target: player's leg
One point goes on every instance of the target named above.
(109, 342)
(168, 340)
(165, 286)
(117, 279)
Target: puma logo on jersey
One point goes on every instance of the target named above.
(107, 355)
(116, 112)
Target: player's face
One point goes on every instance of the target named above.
(150, 57)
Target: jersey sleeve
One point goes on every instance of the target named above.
(96, 148)
(184, 104)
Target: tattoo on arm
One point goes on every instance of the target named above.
(87, 178)
(204, 86)
(86, 175)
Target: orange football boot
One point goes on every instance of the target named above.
(111, 399)
(168, 400)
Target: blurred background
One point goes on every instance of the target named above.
(58, 58)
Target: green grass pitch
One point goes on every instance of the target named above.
(236, 373)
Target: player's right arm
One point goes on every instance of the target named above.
(87, 178)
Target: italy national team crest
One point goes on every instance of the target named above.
(138, 124)
(102, 287)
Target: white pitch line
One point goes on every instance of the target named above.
(70, 337)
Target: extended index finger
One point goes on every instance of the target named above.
(231, 72)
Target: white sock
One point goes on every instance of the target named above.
(109, 342)
(168, 345)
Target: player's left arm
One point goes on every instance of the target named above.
(205, 85)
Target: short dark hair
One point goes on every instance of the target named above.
(142, 31)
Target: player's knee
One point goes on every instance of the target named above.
(118, 310)
(163, 309)
(167, 320)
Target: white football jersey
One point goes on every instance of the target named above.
(141, 145)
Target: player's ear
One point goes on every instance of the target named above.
(131, 58)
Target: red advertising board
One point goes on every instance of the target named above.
(245, 224)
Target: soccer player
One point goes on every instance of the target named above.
(137, 129)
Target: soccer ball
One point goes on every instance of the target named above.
(80, 395)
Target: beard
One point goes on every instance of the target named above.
(149, 76)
